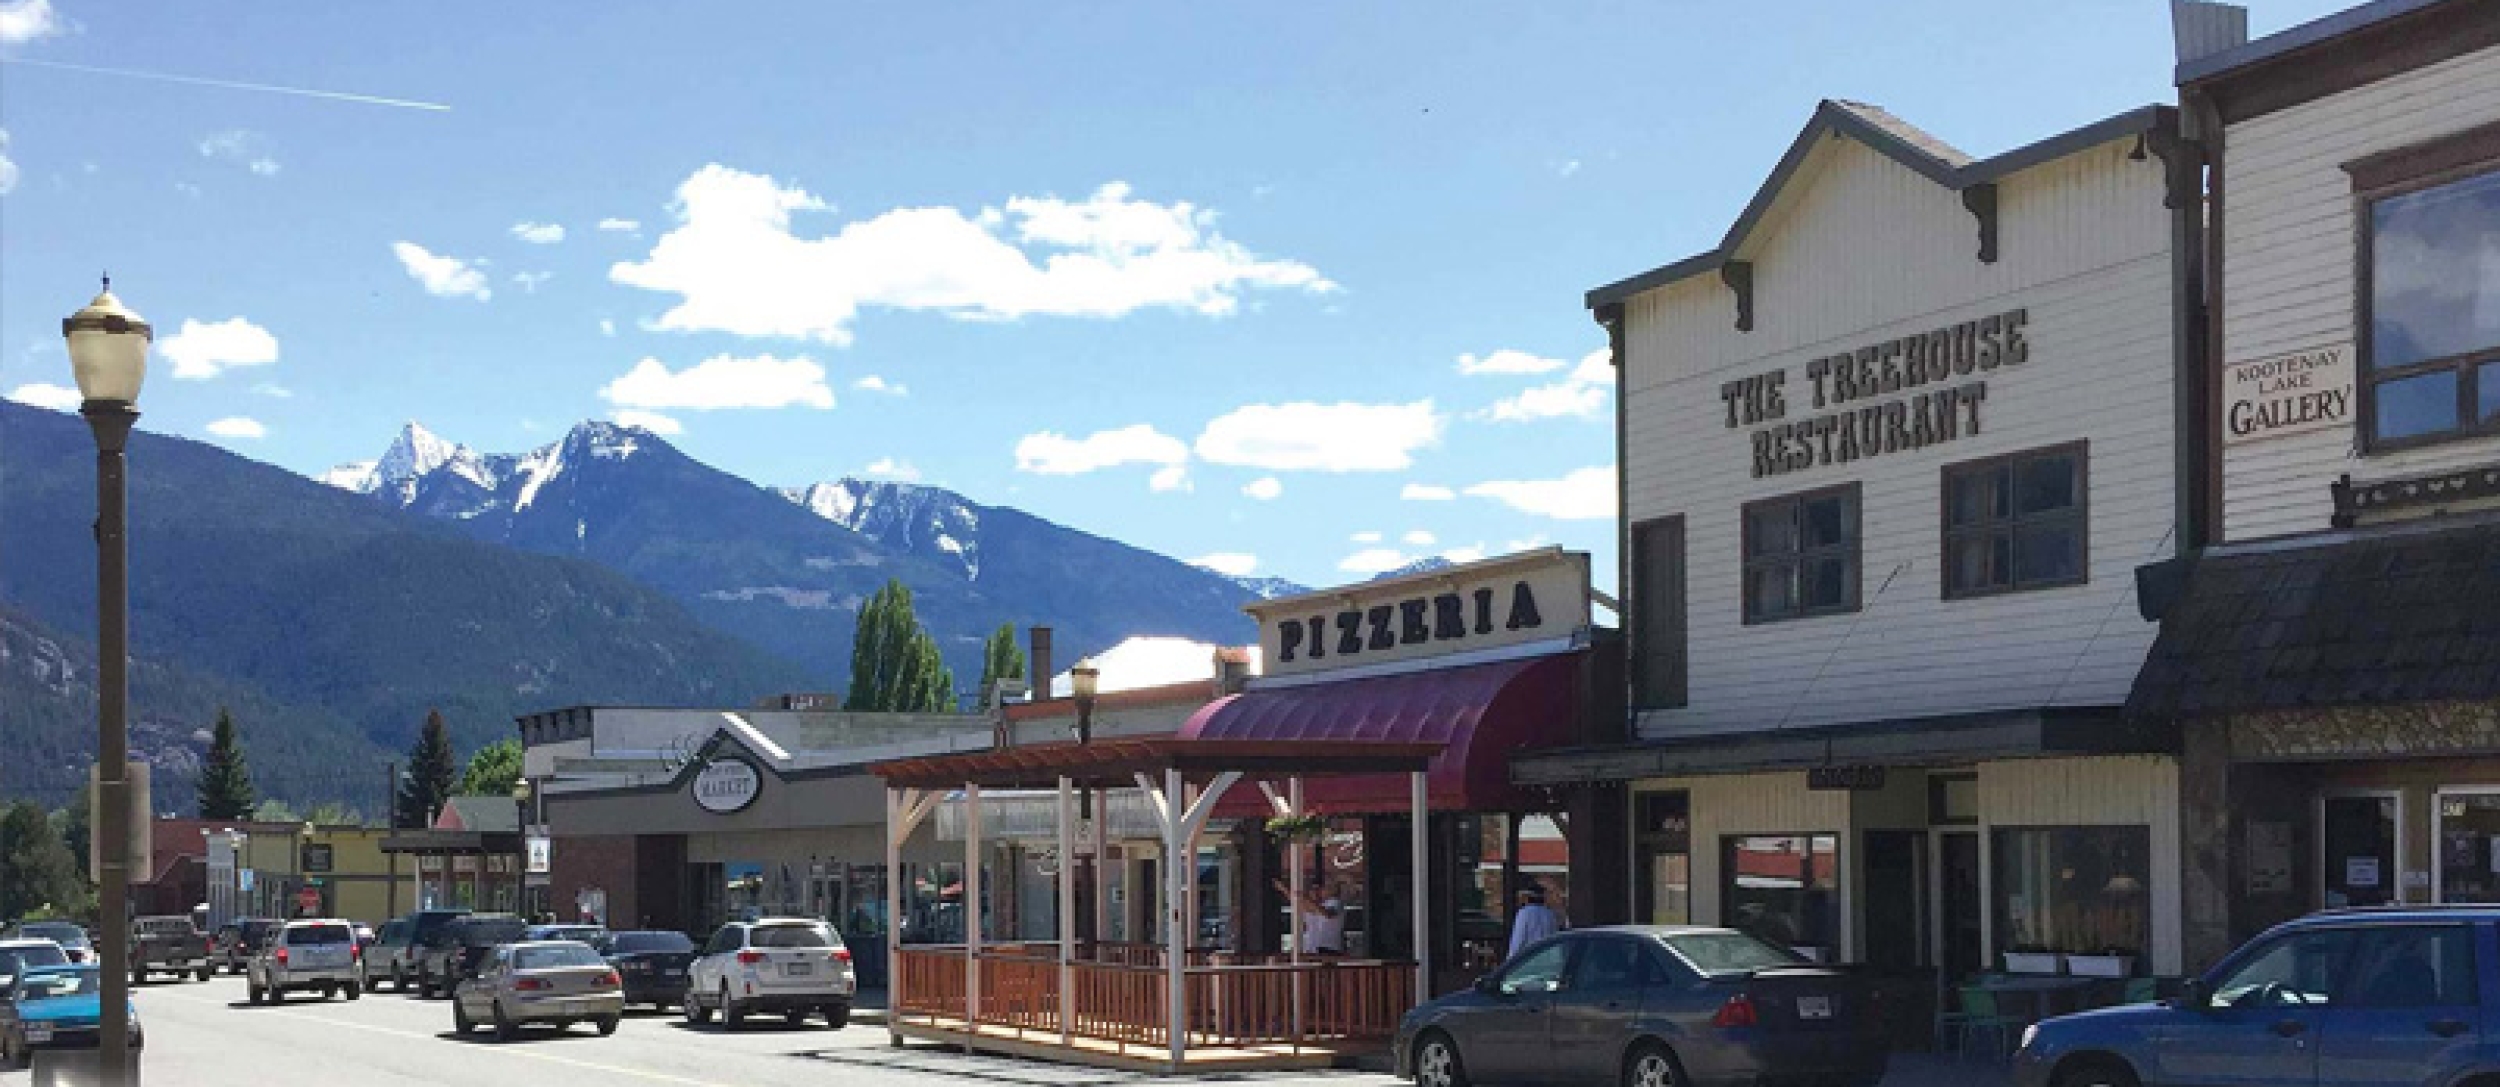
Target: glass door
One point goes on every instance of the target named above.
(2465, 838)
(2361, 847)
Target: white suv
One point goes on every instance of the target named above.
(790, 965)
(322, 956)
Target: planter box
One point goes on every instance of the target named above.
(2101, 966)
(2029, 962)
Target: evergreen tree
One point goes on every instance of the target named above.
(1001, 659)
(76, 824)
(492, 770)
(431, 773)
(226, 779)
(274, 810)
(895, 665)
(37, 873)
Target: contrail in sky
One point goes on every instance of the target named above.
(233, 84)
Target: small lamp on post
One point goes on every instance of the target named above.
(1085, 681)
(108, 354)
(303, 853)
(521, 867)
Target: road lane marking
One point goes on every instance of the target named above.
(657, 1077)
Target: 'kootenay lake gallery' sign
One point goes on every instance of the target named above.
(2287, 394)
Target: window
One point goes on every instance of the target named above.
(2076, 890)
(1801, 555)
(1539, 971)
(1610, 962)
(2430, 296)
(1781, 887)
(2413, 966)
(2299, 970)
(1658, 603)
(1729, 952)
(2015, 522)
(1953, 800)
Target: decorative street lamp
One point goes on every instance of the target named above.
(108, 353)
(520, 871)
(1085, 680)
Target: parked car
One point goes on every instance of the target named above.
(55, 1007)
(456, 948)
(402, 959)
(19, 956)
(585, 934)
(539, 981)
(2373, 996)
(72, 938)
(240, 939)
(308, 956)
(791, 965)
(1650, 1005)
(169, 944)
(652, 964)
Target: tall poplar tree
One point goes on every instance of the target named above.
(226, 779)
(432, 770)
(895, 665)
(38, 874)
(1001, 659)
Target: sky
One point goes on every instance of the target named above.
(1288, 289)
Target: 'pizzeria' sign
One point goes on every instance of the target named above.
(1522, 598)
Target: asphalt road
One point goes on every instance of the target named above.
(205, 1035)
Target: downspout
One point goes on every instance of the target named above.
(1610, 317)
(2193, 375)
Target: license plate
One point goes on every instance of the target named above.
(33, 1036)
(577, 1007)
(1814, 1007)
(673, 973)
(796, 969)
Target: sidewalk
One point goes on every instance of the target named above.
(1931, 1070)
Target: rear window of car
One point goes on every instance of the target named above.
(490, 933)
(1730, 952)
(320, 934)
(57, 933)
(14, 960)
(261, 930)
(160, 926)
(637, 943)
(793, 936)
(542, 958)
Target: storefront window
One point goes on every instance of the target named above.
(1781, 888)
(865, 915)
(933, 911)
(2075, 890)
(2469, 847)
(2361, 863)
(1663, 840)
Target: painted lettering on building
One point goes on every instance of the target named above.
(1535, 596)
(1443, 617)
(2288, 394)
(1857, 399)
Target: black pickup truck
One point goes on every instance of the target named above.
(167, 945)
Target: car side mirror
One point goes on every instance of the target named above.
(1489, 985)
(2194, 996)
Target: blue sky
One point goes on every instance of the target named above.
(1295, 285)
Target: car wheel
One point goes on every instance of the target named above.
(205, 972)
(796, 1017)
(1650, 1065)
(329, 992)
(460, 1022)
(731, 1015)
(2096, 1074)
(1437, 1063)
(399, 981)
(607, 1024)
(838, 1016)
(505, 1028)
(354, 990)
(8, 1055)
(253, 992)
(696, 1013)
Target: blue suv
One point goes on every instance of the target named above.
(2348, 998)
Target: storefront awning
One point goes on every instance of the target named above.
(1478, 713)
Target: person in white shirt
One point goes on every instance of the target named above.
(1533, 921)
(1323, 922)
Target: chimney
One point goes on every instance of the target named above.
(1232, 670)
(1040, 671)
(2202, 28)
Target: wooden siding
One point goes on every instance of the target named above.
(2113, 791)
(2288, 252)
(1866, 251)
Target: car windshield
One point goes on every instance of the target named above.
(490, 933)
(160, 926)
(44, 986)
(633, 943)
(1730, 952)
(555, 955)
(14, 960)
(65, 935)
(817, 935)
(319, 934)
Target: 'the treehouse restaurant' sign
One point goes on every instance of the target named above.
(1532, 596)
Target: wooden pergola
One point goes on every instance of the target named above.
(1095, 1005)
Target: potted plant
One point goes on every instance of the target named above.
(2031, 959)
(1308, 828)
(2108, 962)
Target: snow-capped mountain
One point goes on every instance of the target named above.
(931, 522)
(1425, 565)
(415, 454)
(1269, 588)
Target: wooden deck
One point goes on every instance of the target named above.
(1126, 1056)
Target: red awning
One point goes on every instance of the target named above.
(1480, 713)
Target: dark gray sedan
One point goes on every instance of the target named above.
(1650, 1007)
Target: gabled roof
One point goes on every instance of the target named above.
(1897, 140)
(2315, 32)
(480, 814)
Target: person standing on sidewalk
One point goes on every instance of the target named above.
(1533, 921)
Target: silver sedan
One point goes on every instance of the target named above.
(545, 981)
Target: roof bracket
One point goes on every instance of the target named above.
(1981, 199)
(2183, 163)
(1738, 275)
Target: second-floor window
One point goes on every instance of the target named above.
(1801, 555)
(2431, 305)
(2015, 522)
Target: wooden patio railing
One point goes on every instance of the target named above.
(1229, 1004)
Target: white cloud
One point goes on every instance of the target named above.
(874, 384)
(40, 394)
(1228, 563)
(188, 189)
(1173, 478)
(1567, 168)
(200, 351)
(236, 426)
(1374, 560)
(890, 468)
(240, 146)
(1367, 537)
(443, 276)
(23, 21)
(1469, 553)
(529, 281)
(607, 327)
(1051, 453)
(1419, 538)
(538, 233)
(276, 391)
(723, 381)
(1308, 437)
(652, 421)
(1581, 394)
(1507, 361)
(1587, 494)
(1529, 544)
(1426, 492)
(265, 167)
(737, 265)
(8, 166)
(1265, 488)
(621, 226)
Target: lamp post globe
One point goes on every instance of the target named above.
(108, 349)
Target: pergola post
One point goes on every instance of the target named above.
(1175, 945)
(972, 911)
(1420, 895)
(1067, 912)
(894, 804)
(1300, 860)
(1097, 866)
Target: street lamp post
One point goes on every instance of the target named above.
(108, 353)
(303, 872)
(520, 870)
(1085, 681)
